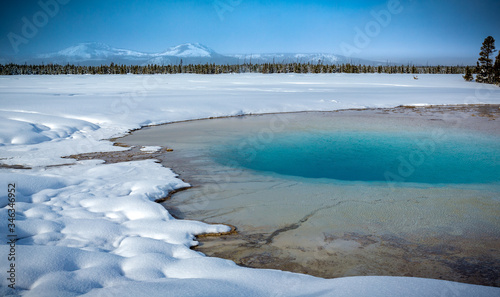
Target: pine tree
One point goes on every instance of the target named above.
(496, 70)
(468, 74)
(485, 71)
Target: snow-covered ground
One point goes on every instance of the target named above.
(93, 228)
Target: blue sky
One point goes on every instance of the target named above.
(418, 31)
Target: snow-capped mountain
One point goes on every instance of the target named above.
(189, 50)
(313, 58)
(188, 53)
(99, 53)
(92, 51)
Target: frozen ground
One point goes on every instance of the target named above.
(93, 228)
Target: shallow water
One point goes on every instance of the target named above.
(346, 193)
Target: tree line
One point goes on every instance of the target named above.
(56, 69)
(486, 71)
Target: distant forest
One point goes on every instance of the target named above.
(55, 69)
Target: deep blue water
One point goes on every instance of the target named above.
(418, 157)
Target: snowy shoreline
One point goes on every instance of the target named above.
(93, 228)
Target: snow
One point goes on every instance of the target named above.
(150, 149)
(292, 58)
(95, 51)
(92, 50)
(189, 50)
(93, 228)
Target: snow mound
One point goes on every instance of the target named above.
(32, 128)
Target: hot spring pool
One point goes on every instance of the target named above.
(414, 156)
(408, 192)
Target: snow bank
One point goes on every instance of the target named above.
(93, 228)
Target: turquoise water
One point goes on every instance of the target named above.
(416, 157)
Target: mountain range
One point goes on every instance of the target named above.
(92, 54)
